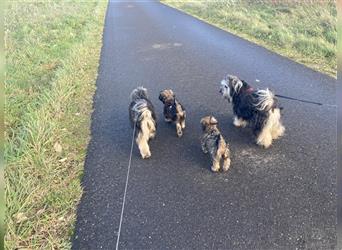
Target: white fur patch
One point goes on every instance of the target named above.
(235, 82)
(239, 122)
(265, 99)
(225, 90)
(238, 86)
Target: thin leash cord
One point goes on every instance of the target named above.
(124, 197)
(300, 100)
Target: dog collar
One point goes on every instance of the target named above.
(249, 90)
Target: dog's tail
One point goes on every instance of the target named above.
(139, 93)
(265, 100)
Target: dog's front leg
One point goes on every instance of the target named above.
(183, 120)
(216, 164)
(226, 161)
(239, 122)
(179, 129)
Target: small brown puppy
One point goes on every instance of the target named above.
(213, 142)
(173, 110)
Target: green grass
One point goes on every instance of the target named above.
(52, 55)
(305, 32)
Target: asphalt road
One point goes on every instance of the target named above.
(279, 198)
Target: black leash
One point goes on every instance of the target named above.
(290, 98)
(301, 100)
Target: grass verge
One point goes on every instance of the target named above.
(303, 31)
(52, 56)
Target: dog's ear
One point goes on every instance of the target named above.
(162, 96)
(213, 121)
(204, 123)
(173, 96)
(234, 82)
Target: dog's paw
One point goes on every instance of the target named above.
(215, 169)
(179, 130)
(183, 125)
(277, 132)
(226, 165)
(153, 135)
(146, 155)
(239, 123)
(264, 144)
(264, 139)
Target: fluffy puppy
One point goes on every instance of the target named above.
(213, 142)
(257, 108)
(142, 116)
(173, 110)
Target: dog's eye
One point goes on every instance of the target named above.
(226, 86)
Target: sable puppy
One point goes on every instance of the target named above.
(142, 116)
(257, 108)
(213, 142)
(173, 110)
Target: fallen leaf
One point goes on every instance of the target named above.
(58, 147)
(20, 217)
(40, 211)
(63, 160)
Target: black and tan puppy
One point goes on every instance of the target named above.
(142, 116)
(213, 142)
(173, 110)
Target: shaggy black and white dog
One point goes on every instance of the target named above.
(256, 108)
(174, 111)
(142, 116)
(212, 142)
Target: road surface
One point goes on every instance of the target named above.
(279, 198)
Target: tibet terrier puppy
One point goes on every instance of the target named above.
(257, 108)
(173, 110)
(142, 116)
(213, 142)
